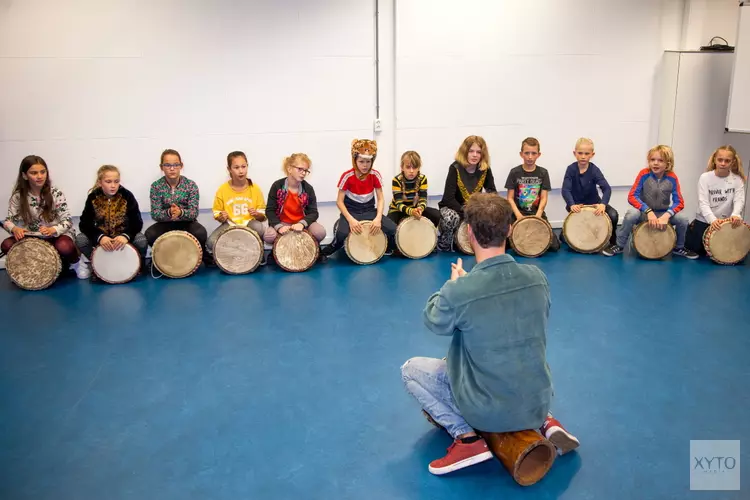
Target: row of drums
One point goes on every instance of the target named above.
(34, 264)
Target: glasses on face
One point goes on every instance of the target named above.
(301, 170)
(171, 165)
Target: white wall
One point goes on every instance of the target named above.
(87, 82)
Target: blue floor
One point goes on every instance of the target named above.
(279, 385)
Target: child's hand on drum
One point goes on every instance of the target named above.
(736, 220)
(48, 231)
(284, 229)
(119, 242)
(715, 225)
(653, 220)
(107, 243)
(417, 212)
(222, 217)
(663, 220)
(375, 226)
(18, 233)
(576, 208)
(298, 227)
(355, 226)
(600, 208)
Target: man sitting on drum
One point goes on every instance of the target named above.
(656, 198)
(581, 180)
(496, 377)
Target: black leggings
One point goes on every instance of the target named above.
(193, 227)
(431, 213)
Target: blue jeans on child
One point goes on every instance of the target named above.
(633, 217)
(427, 380)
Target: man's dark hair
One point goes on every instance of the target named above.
(488, 215)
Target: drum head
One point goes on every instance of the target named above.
(651, 243)
(366, 248)
(586, 232)
(728, 245)
(295, 251)
(33, 264)
(239, 250)
(462, 239)
(416, 238)
(531, 236)
(177, 254)
(119, 266)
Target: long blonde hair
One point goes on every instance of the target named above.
(736, 166)
(100, 174)
(666, 154)
(463, 152)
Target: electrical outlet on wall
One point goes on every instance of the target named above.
(377, 125)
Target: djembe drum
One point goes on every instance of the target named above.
(365, 248)
(296, 251)
(117, 266)
(727, 245)
(416, 238)
(652, 243)
(531, 236)
(462, 239)
(238, 250)
(33, 264)
(586, 232)
(176, 254)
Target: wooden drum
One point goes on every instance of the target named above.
(416, 238)
(531, 236)
(652, 243)
(727, 245)
(462, 239)
(118, 266)
(366, 248)
(586, 232)
(527, 455)
(238, 250)
(33, 264)
(295, 251)
(176, 254)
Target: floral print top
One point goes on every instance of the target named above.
(62, 221)
(185, 195)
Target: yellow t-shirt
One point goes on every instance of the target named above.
(238, 203)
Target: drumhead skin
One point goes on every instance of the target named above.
(177, 254)
(586, 232)
(727, 245)
(118, 266)
(653, 244)
(295, 251)
(33, 264)
(239, 250)
(531, 236)
(462, 239)
(365, 248)
(416, 238)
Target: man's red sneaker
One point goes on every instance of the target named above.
(461, 455)
(563, 440)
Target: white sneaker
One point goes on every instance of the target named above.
(83, 269)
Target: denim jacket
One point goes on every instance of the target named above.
(497, 314)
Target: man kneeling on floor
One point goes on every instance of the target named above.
(496, 377)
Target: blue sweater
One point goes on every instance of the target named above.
(580, 189)
(497, 365)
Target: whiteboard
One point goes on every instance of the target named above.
(738, 115)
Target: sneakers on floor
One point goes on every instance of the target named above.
(684, 252)
(563, 440)
(612, 250)
(461, 455)
(83, 269)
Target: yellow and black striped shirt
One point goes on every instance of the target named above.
(408, 194)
